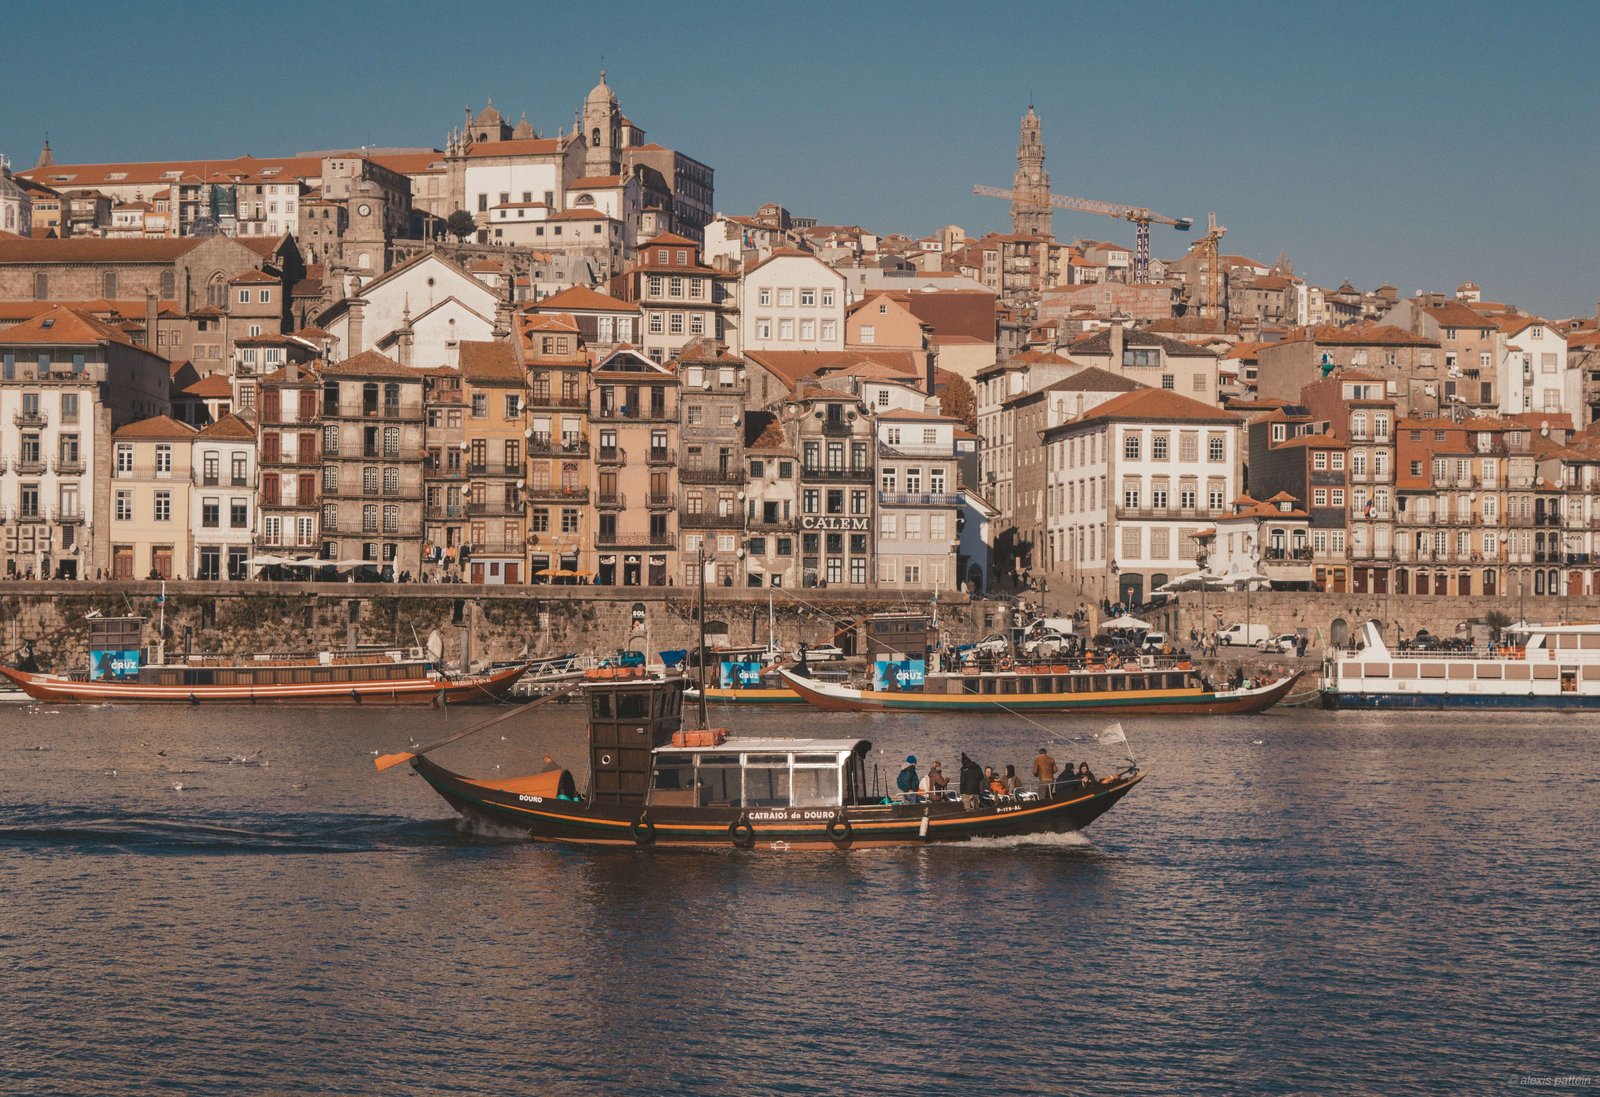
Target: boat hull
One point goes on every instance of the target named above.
(472, 689)
(1481, 702)
(1152, 702)
(549, 819)
(718, 696)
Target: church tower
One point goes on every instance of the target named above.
(602, 131)
(1030, 189)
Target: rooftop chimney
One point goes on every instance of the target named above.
(358, 309)
(150, 311)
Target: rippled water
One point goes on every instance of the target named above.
(1297, 902)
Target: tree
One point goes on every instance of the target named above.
(1498, 621)
(460, 224)
(957, 398)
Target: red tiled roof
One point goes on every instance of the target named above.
(484, 362)
(369, 363)
(159, 428)
(212, 386)
(64, 326)
(532, 146)
(1158, 405)
(229, 428)
(88, 249)
(581, 299)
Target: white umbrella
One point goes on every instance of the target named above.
(1125, 623)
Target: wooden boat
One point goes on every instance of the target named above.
(330, 683)
(652, 785)
(1132, 690)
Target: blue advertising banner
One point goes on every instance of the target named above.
(740, 675)
(113, 664)
(898, 674)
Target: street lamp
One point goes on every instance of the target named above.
(1113, 584)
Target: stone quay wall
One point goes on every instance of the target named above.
(480, 621)
(1333, 616)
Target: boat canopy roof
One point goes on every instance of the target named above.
(742, 745)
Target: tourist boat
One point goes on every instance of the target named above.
(1550, 667)
(1146, 686)
(653, 785)
(329, 680)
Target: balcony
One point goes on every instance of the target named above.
(654, 414)
(67, 516)
(28, 466)
(555, 493)
(1168, 513)
(411, 411)
(432, 471)
(356, 528)
(915, 499)
(706, 520)
(540, 399)
(838, 428)
(446, 511)
(655, 456)
(500, 546)
(63, 466)
(26, 419)
(613, 501)
(27, 516)
(761, 525)
(710, 476)
(658, 500)
(1284, 555)
(855, 474)
(546, 445)
(612, 455)
(664, 540)
(501, 509)
(295, 460)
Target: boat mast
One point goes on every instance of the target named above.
(704, 719)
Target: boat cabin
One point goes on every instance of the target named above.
(762, 773)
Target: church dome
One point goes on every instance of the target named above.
(488, 116)
(602, 95)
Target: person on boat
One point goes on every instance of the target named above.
(937, 782)
(971, 783)
(549, 765)
(992, 785)
(1011, 781)
(1044, 770)
(907, 782)
(1086, 776)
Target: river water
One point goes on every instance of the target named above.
(1298, 902)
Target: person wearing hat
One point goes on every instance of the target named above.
(1044, 771)
(907, 781)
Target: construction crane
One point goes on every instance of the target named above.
(1207, 247)
(1142, 220)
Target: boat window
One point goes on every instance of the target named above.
(816, 787)
(767, 760)
(816, 760)
(602, 703)
(676, 774)
(633, 706)
(766, 786)
(718, 784)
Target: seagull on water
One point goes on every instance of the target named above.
(177, 786)
(1257, 742)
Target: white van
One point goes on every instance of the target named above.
(1242, 635)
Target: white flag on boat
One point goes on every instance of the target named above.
(1112, 736)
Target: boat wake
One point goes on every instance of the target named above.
(1071, 839)
(95, 830)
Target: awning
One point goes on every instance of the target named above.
(1125, 623)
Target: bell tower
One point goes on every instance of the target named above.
(602, 130)
(1030, 188)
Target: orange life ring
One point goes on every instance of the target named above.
(1112, 662)
(1006, 663)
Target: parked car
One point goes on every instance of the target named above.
(1242, 635)
(1153, 642)
(992, 646)
(1279, 644)
(1047, 645)
(823, 653)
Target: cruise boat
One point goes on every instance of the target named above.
(652, 784)
(1550, 667)
(1143, 686)
(333, 679)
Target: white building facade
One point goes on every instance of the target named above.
(1130, 484)
(791, 301)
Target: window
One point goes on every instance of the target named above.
(124, 506)
(163, 506)
(480, 405)
(163, 460)
(124, 458)
(868, 334)
(1215, 448)
(1319, 460)
(1130, 447)
(1168, 382)
(1158, 447)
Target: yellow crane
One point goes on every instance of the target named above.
(1141, 217)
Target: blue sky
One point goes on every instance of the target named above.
(1421, 144)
